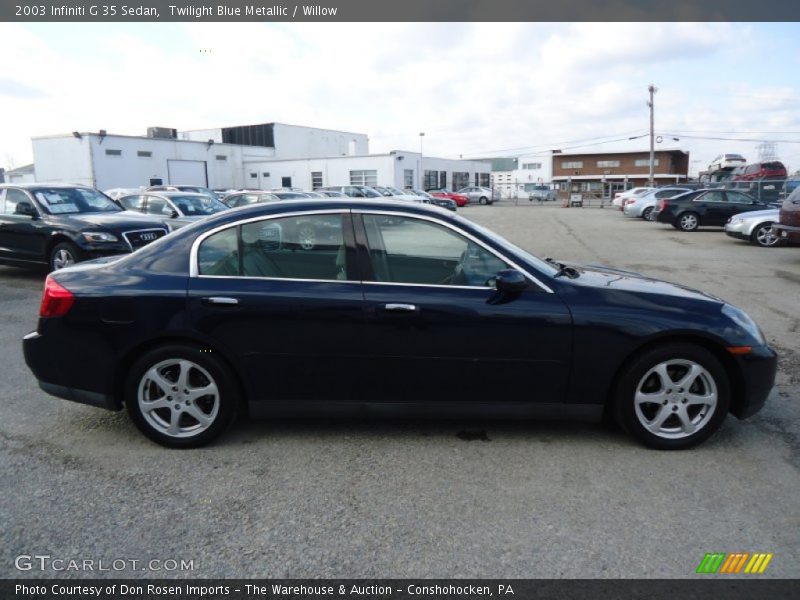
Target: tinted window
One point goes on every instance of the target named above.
(712, 197)
(407, 250)
(14, 197)
(302, 247)
(739, 198)
(158, 206)
(218, 254)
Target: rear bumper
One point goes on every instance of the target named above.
(58, 376)
(758, 378)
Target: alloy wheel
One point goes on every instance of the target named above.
(688, 222)
(675, 399)
(178, 398)
(765, 236)
(63, 258)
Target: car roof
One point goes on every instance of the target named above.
(170, 194)
(34, 185)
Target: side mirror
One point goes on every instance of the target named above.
(510, 281)
(173, 214)
(25, 208)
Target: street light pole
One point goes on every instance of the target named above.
(421, 176)
(652, 89)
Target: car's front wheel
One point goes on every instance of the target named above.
(764, 236)
(673, 396)
(180, 396)
(63, 255)
(688, 221)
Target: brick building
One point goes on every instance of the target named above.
(609, 172)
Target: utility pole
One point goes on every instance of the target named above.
(652, 89)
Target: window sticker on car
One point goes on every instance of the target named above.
(55, 202)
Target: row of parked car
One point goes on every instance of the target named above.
(690, 206)
(60, 225)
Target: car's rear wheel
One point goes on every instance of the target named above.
(688, 221)
(647, 213)
(483, 200)
(673, 396)
(63, 255)
(180, 396)
(764, 236)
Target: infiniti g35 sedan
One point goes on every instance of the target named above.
(399, 309)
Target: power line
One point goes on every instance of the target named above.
(552, 145)
(729, 139)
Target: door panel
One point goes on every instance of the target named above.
(21, 236)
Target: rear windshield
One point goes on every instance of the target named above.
(197, 205)
(70, 201)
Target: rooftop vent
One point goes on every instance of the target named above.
(162, 133)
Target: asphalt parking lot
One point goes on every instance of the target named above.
(308, 498)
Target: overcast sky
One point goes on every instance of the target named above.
(475, 89)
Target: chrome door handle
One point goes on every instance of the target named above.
(221, 300)
(396, 307)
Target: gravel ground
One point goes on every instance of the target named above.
(421, 498)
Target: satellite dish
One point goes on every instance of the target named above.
(659, 139)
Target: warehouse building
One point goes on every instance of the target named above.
(215, 158)
(400, 169)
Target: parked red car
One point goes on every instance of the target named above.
(788, 227)
(762, 170)
(459, 199)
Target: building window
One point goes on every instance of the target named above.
(408, 178)
(316, 180)
(443, 180)
(607, 163)
(286, 182)
(531, 166)
(144, 154)
(431, 180)
(110, 152)
(484, 179)
(460, 180)
(645, 162)
(367, 177)
(253, 175)
(572, 164)
(221, 157)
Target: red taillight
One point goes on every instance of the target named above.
(662, 204)
(56, 301)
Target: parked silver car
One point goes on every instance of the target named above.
(754, 227)
(481, 195)
(643, 204)
(542, 193)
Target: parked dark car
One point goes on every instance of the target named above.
(788, 226)
(440, 202)
(177, 208)
(59, 225)
(402, 310)
(707, 207)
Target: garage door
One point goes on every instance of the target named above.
(187, 172)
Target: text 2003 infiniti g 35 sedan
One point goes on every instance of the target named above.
(397, 309)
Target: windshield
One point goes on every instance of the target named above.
(396, 192)
(370, 193)
(68, 201)
(192, 206)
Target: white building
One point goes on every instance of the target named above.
(516, 177)
(216, 158)
(24, 174)
(398, 168)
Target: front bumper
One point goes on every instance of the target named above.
(757, 371)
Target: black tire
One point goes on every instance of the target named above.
(59, 254)
(687, 221)
(763, 237)
(647, 212)
(483, 200)
(634, 374)
(227, 397)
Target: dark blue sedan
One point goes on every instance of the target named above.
(395, 309)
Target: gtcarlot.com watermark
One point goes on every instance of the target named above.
(46, 562)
